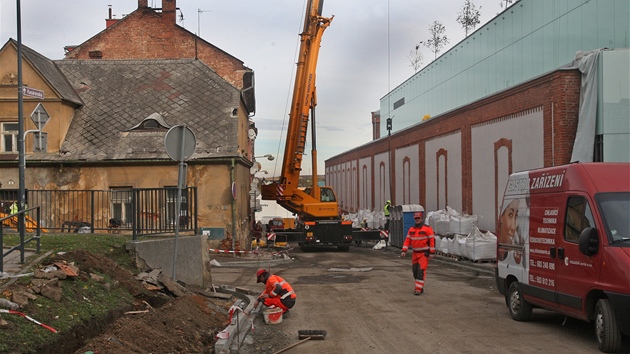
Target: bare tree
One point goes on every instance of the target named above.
(415, 57)
(468, 16)
(438, 38)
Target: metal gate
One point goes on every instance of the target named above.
(139, 211)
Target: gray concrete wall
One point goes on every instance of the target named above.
(193, 259)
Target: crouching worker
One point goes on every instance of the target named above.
(278, 293)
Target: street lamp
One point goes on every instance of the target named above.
(389, 157)
(267, 156)
(263, 172)
(389, 126)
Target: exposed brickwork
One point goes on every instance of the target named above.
(147, 34)
(557, 93)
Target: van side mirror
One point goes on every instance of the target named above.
(588, 242)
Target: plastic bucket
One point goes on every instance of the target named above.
(273, 316)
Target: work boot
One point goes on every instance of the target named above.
(417, 292)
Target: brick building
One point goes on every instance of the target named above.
(112, 101)
(149, 33)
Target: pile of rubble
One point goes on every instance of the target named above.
(44, 282)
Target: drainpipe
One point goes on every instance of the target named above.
(233, 206)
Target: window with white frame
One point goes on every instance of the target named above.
(121, 209)
(9, 137)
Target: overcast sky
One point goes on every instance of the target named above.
(364, 53)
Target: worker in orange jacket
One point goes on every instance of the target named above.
(421, 239)
(278, 292)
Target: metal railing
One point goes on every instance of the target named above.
(139, 211)
(30, 225)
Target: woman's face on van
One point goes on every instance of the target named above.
(509, 221)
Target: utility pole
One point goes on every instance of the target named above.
(21, 148)
(389, 156)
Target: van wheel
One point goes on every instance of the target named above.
(607, 330)
(520, 310)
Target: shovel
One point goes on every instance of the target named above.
(305, 335)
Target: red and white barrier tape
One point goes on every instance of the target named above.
(13, 312)
(384, 233)
(226, 251)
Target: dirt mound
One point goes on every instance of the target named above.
(183, 325)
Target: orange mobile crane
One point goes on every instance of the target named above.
(319, 222)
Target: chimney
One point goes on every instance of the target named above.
(376, 125)
(143, 3)
(168, 11)
(110, 21)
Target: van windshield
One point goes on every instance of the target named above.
(614, 208)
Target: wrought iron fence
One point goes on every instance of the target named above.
(140, 211)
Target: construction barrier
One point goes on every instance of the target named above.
(227, 251)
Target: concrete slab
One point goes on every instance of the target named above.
(12, 262)
(193, 261)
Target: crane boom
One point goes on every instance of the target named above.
(316, 202)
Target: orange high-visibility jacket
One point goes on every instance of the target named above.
(421, 240)
(278, 287)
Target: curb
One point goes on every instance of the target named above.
(487, 268)
(241, 323)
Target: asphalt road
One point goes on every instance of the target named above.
(375, 311)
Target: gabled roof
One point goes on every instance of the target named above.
(120, 94)
(49, 72)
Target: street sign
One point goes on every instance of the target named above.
(180, 143)
(40, 117)
(35, 93)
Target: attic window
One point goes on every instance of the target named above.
(154, 122)
(149, 124)
(96, 54)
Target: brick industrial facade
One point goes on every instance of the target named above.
(462, 158)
